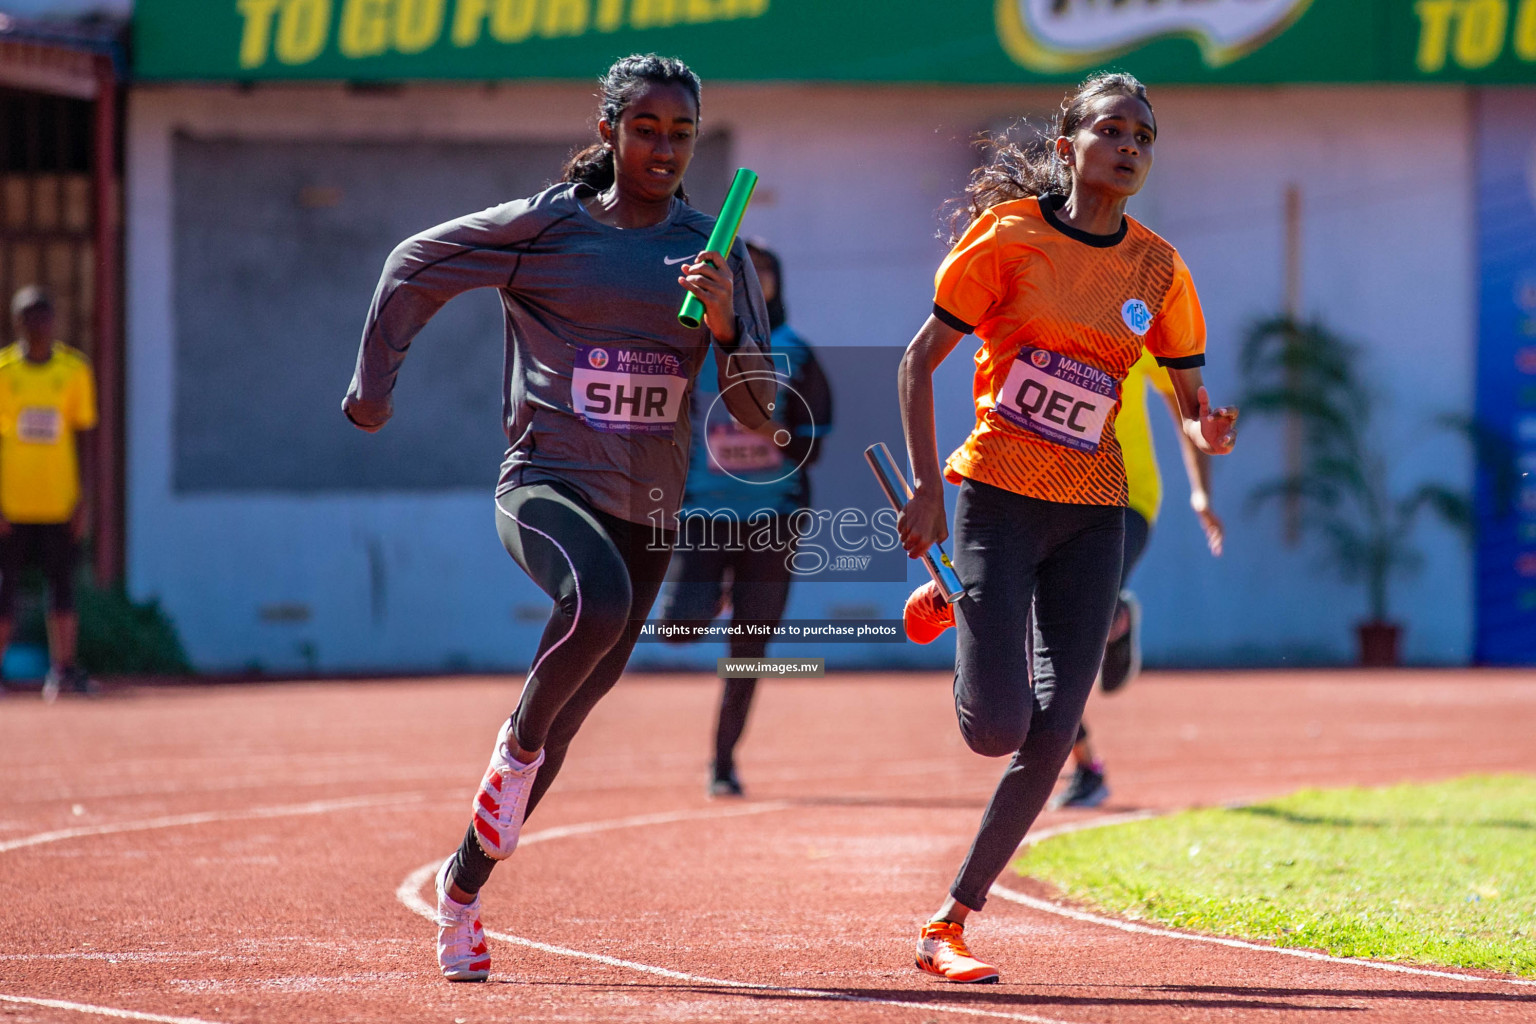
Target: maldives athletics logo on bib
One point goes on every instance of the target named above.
(1054, 36)
(597, 358)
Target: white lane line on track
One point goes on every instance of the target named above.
(409, 893)
(1023, 899)
(101, 1011)
(583, 780)
(208, 817)
(177, 821)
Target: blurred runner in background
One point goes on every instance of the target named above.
(759, 478)
(1144, 487)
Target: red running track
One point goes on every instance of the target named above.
(256, 853)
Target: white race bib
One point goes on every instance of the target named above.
(733, 450)
(628, 390)
(1062, 400)
(39, 424)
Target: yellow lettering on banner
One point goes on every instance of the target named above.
(302, 29)
(1480, 34)
(653, 13)
(610, 15)
(364, 28)
(565, 17)
(1525, 31)
(256, 38)
(512, 20)
(468, 17)
(1434, 33)
(418, 24)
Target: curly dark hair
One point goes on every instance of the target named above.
(1027, 168)
(758, 250)
(593, 165)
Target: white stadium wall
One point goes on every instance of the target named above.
(369, 578)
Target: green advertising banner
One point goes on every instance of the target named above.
(965, 41)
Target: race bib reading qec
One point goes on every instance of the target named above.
(1060, 399)
(628, 390)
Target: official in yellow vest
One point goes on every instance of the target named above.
(47, 397)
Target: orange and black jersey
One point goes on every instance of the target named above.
(1062, 316)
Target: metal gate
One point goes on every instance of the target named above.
(47, 217)
(60, 220)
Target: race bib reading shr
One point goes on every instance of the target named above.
(39, 425)
(628, 390)
(1060, 399)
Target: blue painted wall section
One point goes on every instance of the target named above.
(1506, 372)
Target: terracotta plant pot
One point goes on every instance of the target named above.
(1379, 644)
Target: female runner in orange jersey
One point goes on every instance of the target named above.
(1065, 291)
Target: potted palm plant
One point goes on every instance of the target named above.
(1338, 489)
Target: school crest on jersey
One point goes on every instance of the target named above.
(1136, 316)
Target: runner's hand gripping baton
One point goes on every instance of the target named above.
(722, 237)
(894, 483)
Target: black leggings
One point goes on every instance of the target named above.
(1024, 559)
(1137, 532)
(759, 590)
(49, 546)
(603, 574)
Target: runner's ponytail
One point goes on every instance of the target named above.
(592, 166)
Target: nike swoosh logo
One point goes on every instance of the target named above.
(669, 261)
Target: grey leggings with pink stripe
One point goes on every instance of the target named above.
(603, 574)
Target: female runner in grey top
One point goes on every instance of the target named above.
(597, 379)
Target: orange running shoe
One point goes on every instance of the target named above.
(941, 950)
(927, 614)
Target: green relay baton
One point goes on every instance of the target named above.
(723, 237)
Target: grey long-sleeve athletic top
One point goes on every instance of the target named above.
(598, 370)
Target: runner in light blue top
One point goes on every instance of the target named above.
(744, 485)
(744, 470)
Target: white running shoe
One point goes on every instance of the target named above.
(461, 948)
(502, 802)
(53, 682)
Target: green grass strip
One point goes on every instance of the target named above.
(1434, 874)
